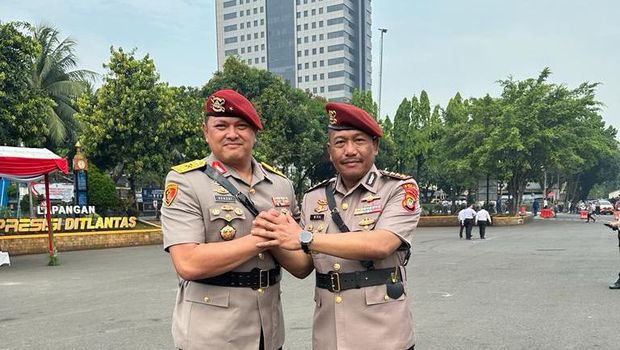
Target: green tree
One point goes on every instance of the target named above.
(22, 108)
(129, 122)
(54, 75)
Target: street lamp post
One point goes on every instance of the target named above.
(383, 31)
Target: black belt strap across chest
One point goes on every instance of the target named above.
(254, 279)
(336, 282)
(223, 181)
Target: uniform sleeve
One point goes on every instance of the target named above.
(304, 208)
(401, 211)
(181, 216)
(294, 207)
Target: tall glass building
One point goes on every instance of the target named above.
(322, 46)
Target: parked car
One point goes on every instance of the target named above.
(605, 207)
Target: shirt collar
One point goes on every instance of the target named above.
(258, 173)
(368, 181)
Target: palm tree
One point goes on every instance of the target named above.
(54, 75)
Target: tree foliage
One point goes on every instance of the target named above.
(22, 108)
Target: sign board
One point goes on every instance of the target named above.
(58, 191)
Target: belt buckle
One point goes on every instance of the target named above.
(260, 279)
(334, 277)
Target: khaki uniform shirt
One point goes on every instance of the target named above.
(215, 317)
(364, 318)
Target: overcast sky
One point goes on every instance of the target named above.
(441, 46)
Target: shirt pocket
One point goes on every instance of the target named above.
(376, 295)
(207, 295)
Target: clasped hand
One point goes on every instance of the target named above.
(281, 230)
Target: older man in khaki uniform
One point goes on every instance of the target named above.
(358, 228)
(229, 290)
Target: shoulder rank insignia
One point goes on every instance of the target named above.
(272, 169)
(395, 175)
(320, 184)
(189, 166)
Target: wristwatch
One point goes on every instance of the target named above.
(305, 238)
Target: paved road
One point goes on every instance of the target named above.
(539, 286)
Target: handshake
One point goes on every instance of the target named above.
(613, 225)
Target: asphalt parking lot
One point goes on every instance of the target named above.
(538, 286)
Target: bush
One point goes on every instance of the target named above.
(101, 190)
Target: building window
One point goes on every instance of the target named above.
(313, 25)
(248, 24)
(230, 15)
(313, 12)
(242, 38)
(306, 13)
(255, 48)
(306, 26)
(320, 10)
(230, 28)
(337, 87)
(332, 21)
(298, 14)
(320, 24)
(333, 8)
(299, 27)
(230, 40)
(230, 3)
(243, 49)
(314, 51)
(322, 89)
(299, 66)
(314, 90)
(338, 34)
(262, 34)
(299, 79)
(255, 35)
(262, 22)
(333, 48)
(306, 51)
(256, 60)
(256, 23)
(230, 52)
(313, 77)
(262, 47)
(240, 13)
(298, 41)
(336, 74)
(248, 36)
(255, 11)
(307, 78)
(241, 25)
(322, 76)
(321, 49)
(321, 63)
(306, 65)
(262, 9)
(249, 49)
(313, 38)
(262, 59)
(333, 61)
(314, 64)
(247, 12)
(298, 53)
(321, 36)
(249, 61)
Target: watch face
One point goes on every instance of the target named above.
(305, 237)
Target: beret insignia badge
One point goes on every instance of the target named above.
(332, 117)
(217, 104)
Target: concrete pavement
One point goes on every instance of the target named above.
(538, 286)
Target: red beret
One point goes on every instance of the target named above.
(229, 103)
(344, 116)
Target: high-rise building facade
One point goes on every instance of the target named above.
(322, 46)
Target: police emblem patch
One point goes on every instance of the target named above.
(411, 196)
(170, 193)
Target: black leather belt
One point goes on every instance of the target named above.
(336, 282)
(254, 279)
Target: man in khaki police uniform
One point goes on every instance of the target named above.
(360, 294)
(229, 290)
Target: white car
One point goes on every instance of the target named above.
(605, 207)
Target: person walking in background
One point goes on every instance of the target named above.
(590, 209)
(535, 207)
(461, 217)
(469, 215)
(483, 218)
